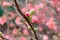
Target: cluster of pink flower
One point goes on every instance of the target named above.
(40, 13)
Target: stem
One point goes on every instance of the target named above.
(18, 9)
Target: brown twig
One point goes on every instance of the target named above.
(18, 9)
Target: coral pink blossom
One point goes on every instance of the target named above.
(30, 6)
(36, 7)
(58, 9)
(25, 31)
(12, 15)
(41, 5)
(17, 20)
(27, 14)
(45, 37)
(7, 36)
(23, 10)
(40, 28)
(3, 20)
(22, 38)
(51, 23)
(5, 3)
(14, 31)
(34, 19)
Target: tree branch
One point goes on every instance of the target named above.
(18, 9)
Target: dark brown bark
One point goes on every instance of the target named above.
(18, 9)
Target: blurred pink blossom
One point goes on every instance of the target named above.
(17, 20)
(22, 38)
(23, 10)
(5, 3)
(58, 9)
(45, 37)
(3, 20)
(27, 14)
(25, 31)
(14, 31)
(34, 19)
(30, 6)
(7, 36)
(12, 15)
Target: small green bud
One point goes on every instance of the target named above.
(32, 11)
(35, 29)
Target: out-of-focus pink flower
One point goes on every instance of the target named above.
(3, 20)
(46, 8)
(11, 25)
(44, 20)
(41, 5)
(27, 14)
(50, 23)
(55, 1)
(12, 15)
(22, 38)
(58, 16)
(51, 14)
(7, 36)
(17, 20)
(12, 38)
(45, 37)
(23, 10)
(40, 28)
(0, 38)
(30, 6)
(5, 3)
(34, 19)
(58, 9)
(36, 7)
(14, 31)
(25, 31)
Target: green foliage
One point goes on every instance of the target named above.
(1, 11)
(10, 8)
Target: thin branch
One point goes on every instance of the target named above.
(18, 9)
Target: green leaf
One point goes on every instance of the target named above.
(1, 11)
(10, 8)
(18, 0)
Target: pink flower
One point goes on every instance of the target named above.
(5, 3)
(58, 16)
(30, 6)
(22, 38)
(12, 15)
(27, 14)
(3, 20)
(50, 23)
(7, 36)
(25, 31)
(23, 10)
(17, 20)
(45, 37)
(11, 25)
(34, 19)
(41, 5)
(51, 14)
(14, 31)
(36, 7)
(40, 28)
(58, 9)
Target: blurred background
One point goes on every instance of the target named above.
(44, 16)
